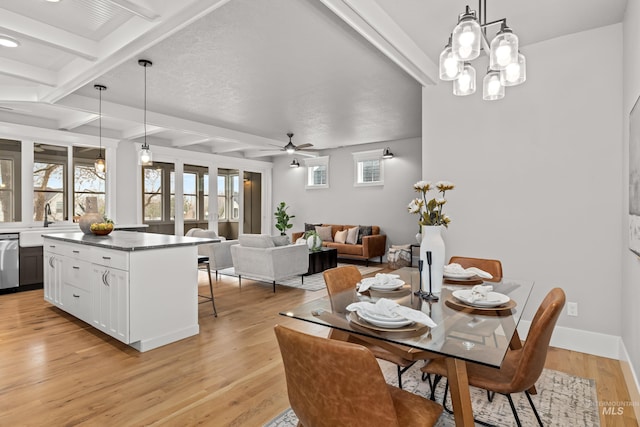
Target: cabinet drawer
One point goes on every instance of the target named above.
(56, 247)
(77, 302)
(77, 273)
(111, 258)
(77, 251)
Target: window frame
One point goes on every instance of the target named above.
(165, 202)
(14, 191)
(54, 160)
(79, 161)
(314, 162)
(364, 156)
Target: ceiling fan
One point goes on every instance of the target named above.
(291, 148)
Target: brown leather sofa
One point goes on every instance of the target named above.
(372, 246)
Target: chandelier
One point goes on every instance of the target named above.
(507, 66)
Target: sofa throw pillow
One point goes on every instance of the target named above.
(341, 236)
(310, 227)
(352, 235)
(365, 230)
(324, 233)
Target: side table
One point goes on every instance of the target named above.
(322, 260)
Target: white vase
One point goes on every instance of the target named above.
(314, 242)
(432, 241)
(419, 237)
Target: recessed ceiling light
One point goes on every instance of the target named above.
(7, 41)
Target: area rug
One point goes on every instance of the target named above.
(313, 282)
(562, 400)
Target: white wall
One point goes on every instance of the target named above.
(538, 173)
(630, 292)
(343, 203)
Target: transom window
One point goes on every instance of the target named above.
(317, 172)
(368, 168)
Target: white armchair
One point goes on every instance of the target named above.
(258, 257)
(219, 254)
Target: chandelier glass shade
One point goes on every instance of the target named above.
(100, 165)
(145, 156)
(507, 65)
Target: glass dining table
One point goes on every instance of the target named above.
(463, 332)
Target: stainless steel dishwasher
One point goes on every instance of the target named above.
(9, 261)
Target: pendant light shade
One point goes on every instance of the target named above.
(145, 157)
(504, 48)
(465, 84)
(466, 37)
(100, 165)
(449, 67)
(492, 89)
(515, 73)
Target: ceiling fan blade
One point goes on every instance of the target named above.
(301, 146)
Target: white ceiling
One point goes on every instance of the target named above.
(234, 76)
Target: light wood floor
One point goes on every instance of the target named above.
(56, 370)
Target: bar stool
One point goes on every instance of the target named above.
(204, 261)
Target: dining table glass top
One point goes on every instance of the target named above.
(480, 335)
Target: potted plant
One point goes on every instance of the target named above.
(282, 218)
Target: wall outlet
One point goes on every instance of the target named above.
(572, 308)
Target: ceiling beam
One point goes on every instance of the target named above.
(76, 119)
(143, 11)
(139, 131)
(376, 26)
(125, 113)
(190, 140)
(132, 38)
(49, 35)
(27, 72)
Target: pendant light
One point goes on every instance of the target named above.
(507, 66)
(100, 165)
(145, 157)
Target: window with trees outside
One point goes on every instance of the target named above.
(317, 172)
(10, 180)
(86, 181)
(152, 200)
(368, 168)
(49, 181)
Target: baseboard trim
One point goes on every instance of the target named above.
(595, 343)
(630, 378)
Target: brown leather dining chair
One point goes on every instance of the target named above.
(336, 383)
(340, 279)
(521, 368)
(491, 266)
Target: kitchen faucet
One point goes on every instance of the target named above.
(47, 212)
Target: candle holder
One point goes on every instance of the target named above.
(428, 296)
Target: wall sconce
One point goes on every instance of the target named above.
(294, 164)
(387, 154)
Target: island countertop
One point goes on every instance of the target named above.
(130, 241)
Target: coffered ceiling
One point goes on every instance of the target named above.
(234, 76)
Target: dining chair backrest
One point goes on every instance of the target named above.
(333, 383)
(491, 266)
(340, 279)
(534, 352)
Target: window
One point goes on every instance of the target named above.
(368, 168)
(228, 194)
(49, 181)
(152, 201)
(205, 199)
(317, 172)
(86, 181)
(195, 191)
(10, 182)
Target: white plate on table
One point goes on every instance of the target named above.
(390, 286)
(460, 275)
(384, 321)
(494, 299)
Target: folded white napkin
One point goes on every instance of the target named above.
(379, 279)
(386, 307)
(455, 268)
(479, 293)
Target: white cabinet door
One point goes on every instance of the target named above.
(110, 301)
(53, 278)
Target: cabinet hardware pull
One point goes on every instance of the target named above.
(76, 296)
(106, 257)
(51, 262)
(52, 246)
(75, 267)
(76, 252)
(105, 277)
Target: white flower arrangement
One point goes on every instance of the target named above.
(430, 211)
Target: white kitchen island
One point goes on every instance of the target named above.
(140, 288)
